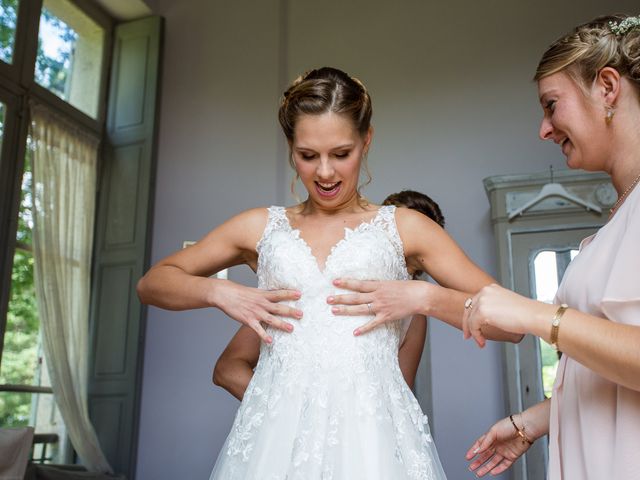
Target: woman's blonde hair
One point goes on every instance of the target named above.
(608, 41)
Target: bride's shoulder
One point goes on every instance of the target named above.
(249, 223)
(407, 218)
(252, 215)
(415, 227)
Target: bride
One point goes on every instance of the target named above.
(328, 399)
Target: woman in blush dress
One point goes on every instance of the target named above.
(589, 88)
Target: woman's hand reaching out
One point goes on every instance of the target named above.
(497, 449)
(506, 441)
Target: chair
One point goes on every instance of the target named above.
(15, 446)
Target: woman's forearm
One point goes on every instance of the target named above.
(447, 305)
(610, 349)
(536, 420)
(169, 287)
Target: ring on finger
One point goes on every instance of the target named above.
(370, 308)
(468, 303)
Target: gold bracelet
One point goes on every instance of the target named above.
(555, 325)
(520, 433)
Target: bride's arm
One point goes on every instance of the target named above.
(181, 280)
(433, 250)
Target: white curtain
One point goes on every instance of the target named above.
(64, 191)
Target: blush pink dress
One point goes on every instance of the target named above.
(595, 423)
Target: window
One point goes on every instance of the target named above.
(23, 371)
(548, 269)
(54, 88)
(70, 52)
(66, 57)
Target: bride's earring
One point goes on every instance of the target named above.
(609, 115)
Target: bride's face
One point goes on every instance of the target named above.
(327, 152)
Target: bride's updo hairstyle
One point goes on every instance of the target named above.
(321, 91)
(609, 41)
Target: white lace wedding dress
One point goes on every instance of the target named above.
(324, 404)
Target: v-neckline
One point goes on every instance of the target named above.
(348, 231)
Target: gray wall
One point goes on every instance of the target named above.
(453, 103)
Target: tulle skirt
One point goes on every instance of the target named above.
(341, 424)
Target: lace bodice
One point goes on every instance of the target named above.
(372, 251)
(324, 403)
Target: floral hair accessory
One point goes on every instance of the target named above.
(620, 28)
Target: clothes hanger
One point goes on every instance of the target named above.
(553, 189)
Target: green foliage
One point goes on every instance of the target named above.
(20, 357)
(53, 73)
(548, 354)
(50, 72)
(15, 409)
(549, 360)
(8, 22)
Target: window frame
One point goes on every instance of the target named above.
(17, 89)
(12, 70)
(11, 166)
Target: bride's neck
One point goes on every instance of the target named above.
(353, 205)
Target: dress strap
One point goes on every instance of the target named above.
(386, 219)
(276, 220)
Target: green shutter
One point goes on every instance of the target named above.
(122, 241)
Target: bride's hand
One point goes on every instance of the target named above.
(254, 306)
(387, 301)
(496, 450)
